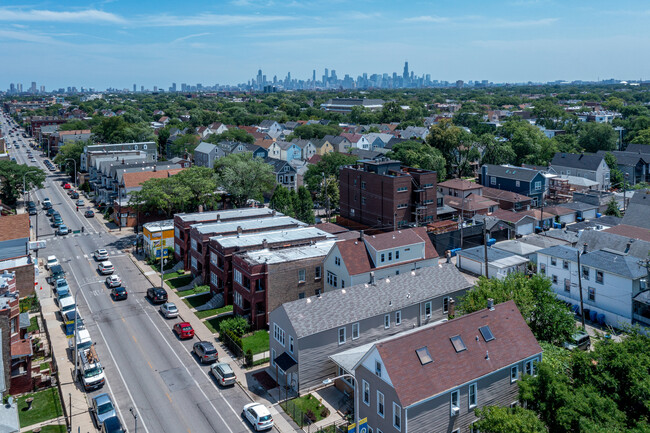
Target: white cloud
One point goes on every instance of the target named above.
(26, 37)
(293, 32)
(426, 19)
(208, 19)
(80, 16)
(523, 23)
(196, 35)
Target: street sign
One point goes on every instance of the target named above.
(37, 245)
(165, 253)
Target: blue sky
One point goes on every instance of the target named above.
(116, 43)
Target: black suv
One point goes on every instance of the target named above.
(119, 293)
(157, 295)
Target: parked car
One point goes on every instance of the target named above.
(105, 268)
(205, 351)
(119, 293)
(80, 202)
(157, 295)
(183, 330)
(113, 281)
(75, 195)
(169, 310)
(50, 211)
(32, 211)
(223, 373)
(102, 408)
(57, 220)
(259, 416)
(62, 230)
(100, 254)
(51, 261)
(579, 340)
(89, 213)
(67, 186)
(112, 425)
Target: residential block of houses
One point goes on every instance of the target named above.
(590, 166)
(525, 181)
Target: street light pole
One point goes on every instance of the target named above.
(356, 396)
(135, 417)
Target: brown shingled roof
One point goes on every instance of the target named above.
(500, 194)
(132, 180)
(630, 232)
(513, 342)
(460, 184)
(14, 227)
(355, 256)
(472, 202)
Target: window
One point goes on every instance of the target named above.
(317, 273)
(301, 295)
(378, 368)
(471, 395)
(514, 373)
(402, 206)
(331, 279)
(427, 309)
(363, 200)
(278, 334)
(493, 180)
(193, 263)
(337, 261)
(237, 275)
(585, 272)
(366, 393)
(554, 278)
(390, 255)
(542, 268)
(397, 255)
(553, 261)
(402, 189)
(214, 279)
(193, 242)
(380, 404)
(455, 397)
(517, 184)
(382, 257)
(386, 321)
(343, 284)
(302, 275)
(565, 264)
(273, 357)
(398, 318)
(486, 332)
(213, 258)
(445, 305)
(355, 331)
(397, 417)
(591, 294)
(538, 185)
(531, 367)
(341, 335)
(238, 299)
(458, 343)
(363, 184)
(599, 277)
(177, 249)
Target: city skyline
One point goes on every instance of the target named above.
(115, 44)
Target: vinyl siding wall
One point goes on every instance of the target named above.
(13, 248)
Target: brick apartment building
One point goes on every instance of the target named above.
(183, 221)
(223, 248)
(265, 279)
(387, 195)
(200, 235)
(36, 122)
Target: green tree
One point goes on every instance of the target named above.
(642, 137)
(567, 143)
(597, 136)
(74, 125)
(282, 202)
(498, 419)
(160, 194)
(232, 134)
(11, 180)
(419, 155)
(71, 150)
(616, 175)
(184, 143)
(495, 151)
(530, 144)
(315, 130)
(391, 112)
(612, 208)
(304, 206)
(201, 184)
(330, 164)
(447, 138)
(244, 177)
(548, 318)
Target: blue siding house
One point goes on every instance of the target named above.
(515, 179)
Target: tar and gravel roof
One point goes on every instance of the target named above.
(226, 214)
(282, 255)
(271, 237)
(246, 225)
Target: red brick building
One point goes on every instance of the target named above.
(386, 195)
(36, 122)
(222, 249)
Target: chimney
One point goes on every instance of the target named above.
(372, 278)
(239, 230)
(265, 244)
(361, 235)
(490, 304)
(628, 246)
(448, 256)
(273, 212)
(200, 208)
(451, 309)
(584, 249)
(218, 217)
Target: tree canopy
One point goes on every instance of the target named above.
(232, 134)
(597, 136)
(315, 130)
(419, 155)
(71, 150)
(244, 177)
(11, 180)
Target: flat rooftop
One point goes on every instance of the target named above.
(248, 212)
(246, 225)
(272, 237)
(283, 255)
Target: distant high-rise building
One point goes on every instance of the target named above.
(12, 88)
(405, 75)
(313, 76)
(155, 88)
(20, 87)
(42, 88)
(173, 87)
(142, 88)
(134, 88)
(259, 77)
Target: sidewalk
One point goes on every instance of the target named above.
(74, 398)
(245, 380)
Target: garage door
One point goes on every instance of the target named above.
(471, 266)
(525, 229)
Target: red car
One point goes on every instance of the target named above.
(67, 186)
(183, 330)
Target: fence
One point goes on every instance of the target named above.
(54, 369)
(307, 419)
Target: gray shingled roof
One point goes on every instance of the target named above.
(597, 240)
(638, 210)
(563, 252)
(336, 308)
(563, 234)
(579, 206)
(478, 254)
(542, 241)
(605, 221)
(583, 161)
(511, 172)
(205, 147)
(615, 262)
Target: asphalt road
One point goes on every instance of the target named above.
(147, 368)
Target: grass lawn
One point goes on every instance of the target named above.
(304, 404)
(44, 366)
(28, 303)
(33, 324)
(257, 343)
(46, 405)
(213, 312)
(170, 275)
(194, 291)
(197, 301)
(177, 282)
(52, 429)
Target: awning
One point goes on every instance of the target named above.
(285, 362)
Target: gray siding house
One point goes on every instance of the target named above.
(432, 379)
(305, 333)
(205, 154)
(589, 166)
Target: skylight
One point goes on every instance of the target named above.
(486, 332)
(458, 343)
(424, 355)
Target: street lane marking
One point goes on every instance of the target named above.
(170, 399)
(150, 366)
(123, 320)
(136, 341)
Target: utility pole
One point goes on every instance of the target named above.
(485, 247)
(135, 417)
(582, 309)
(462, 217)
(162, 265)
